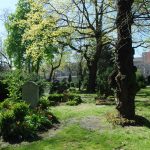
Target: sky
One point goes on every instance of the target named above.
(6, 4)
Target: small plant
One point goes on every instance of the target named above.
(55, 98)
(41, 120)
(73, 100)
(116, 120)
(72, 103)
(6, 104)
(71, 96)
(20, 110)
(44, 103)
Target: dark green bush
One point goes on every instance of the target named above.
(103, 87)
(73, 100)
(6, 104)
(141, 82)
(20, 110)
(16, 79)
(18, 122)
(70, 96)
(12, 125)
(56, 97)
(59, 87)
(13, 130)
(42, 83)
(41, 120)
(7, 124)
(44, 103)
(72, 103)
(73, 90)
(3, 90)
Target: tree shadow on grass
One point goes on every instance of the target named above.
(32, 137)
(142, 121)
(18, 141)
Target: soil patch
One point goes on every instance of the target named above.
(93, 123)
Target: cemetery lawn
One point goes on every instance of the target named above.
(85, 127)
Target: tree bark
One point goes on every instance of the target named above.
(125, 78)
(51, 75)
(92, 64)
(80, 74)
(92, 68)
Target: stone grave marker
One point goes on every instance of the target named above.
(30, 93)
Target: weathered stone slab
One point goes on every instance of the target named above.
(30, 93)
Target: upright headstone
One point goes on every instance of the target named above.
(30, 93)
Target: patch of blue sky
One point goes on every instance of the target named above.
(6, 5)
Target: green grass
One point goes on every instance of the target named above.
(80, 111)
(72, 136)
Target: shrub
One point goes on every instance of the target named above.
(44, 102)
(6, 104)
(56, 98)
(3, 91)
(16, 79)
(115, 120)
(72, 103)
(59, 87)
(12, 122)
(7, 124)
(141, 82)
(40, 120)
(42, 83)
(73, 100)
(74, 97)
(15, 131)
(73, 90)
(34, 121)
(20, 110)
(104, 89)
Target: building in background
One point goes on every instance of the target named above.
(146, 57)
(143, 64)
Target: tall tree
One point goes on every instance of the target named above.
(87, 19)
(13, 44)
(125, 74)
(40, 35)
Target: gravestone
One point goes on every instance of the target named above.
(30, 93)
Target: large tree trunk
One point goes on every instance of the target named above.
(125, 78)
(80, 75)
(51, 75)
(91, 86)
(92, 65)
